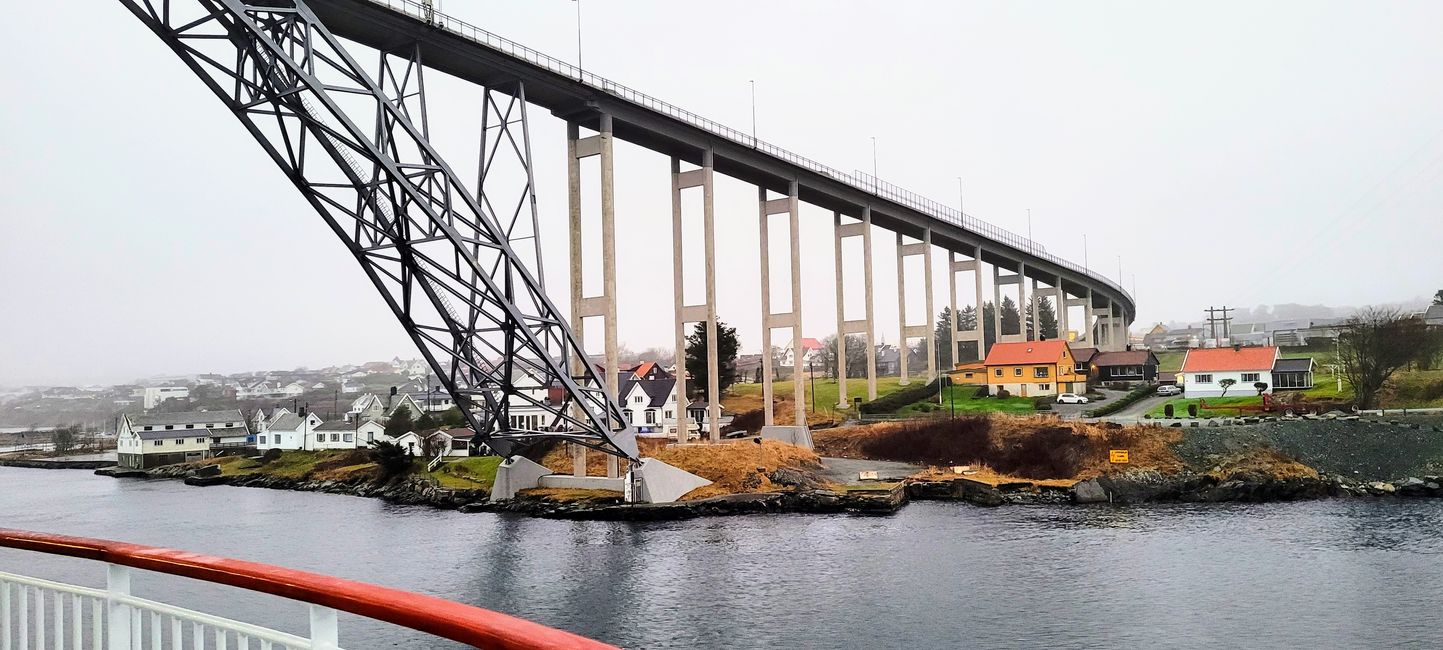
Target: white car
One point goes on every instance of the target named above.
(1071, 398)
(1169, 390)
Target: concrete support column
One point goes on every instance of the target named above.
(1059, 307)
(604, 305)
(788, 205)
(996, 304)
(1019, 279)
(845, 327)
(1022, 302)
(1036, 334)
(703, 313)
(1087, 319)
(959, 335)
(924, 330)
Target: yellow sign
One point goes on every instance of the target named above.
(1117, 455)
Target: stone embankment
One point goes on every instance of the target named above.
(407, 490)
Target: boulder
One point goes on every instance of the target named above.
(794, 477)
(204, 471)
(1089, 491)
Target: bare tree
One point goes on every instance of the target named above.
(1226, 384)
(1374, 344)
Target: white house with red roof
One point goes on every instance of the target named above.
(1204, 370)
(811, 353)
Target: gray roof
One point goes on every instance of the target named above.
(1293, 365)
(190, 417)
(163, 434)
(656, 389)
(287, 422)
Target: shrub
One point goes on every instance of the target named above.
(1167, 409)
(1042, 403)
(934, 441)
(1053, 452)
(1122, 402)
(895, 401)
(1192, 410)
(982, 391)
(392, 458)
(1002, 393)
(1433, 391)
(270, 455)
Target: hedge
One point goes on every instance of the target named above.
(1129, 399)
(895, 401)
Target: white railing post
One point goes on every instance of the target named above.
(117, 613)
(4, 615)
(325, 631)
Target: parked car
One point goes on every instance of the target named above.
(1169, 390)
(1071, 398)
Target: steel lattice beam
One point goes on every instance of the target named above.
(357, 148)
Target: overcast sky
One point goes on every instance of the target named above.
(1231, 152)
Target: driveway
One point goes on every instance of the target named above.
(847, 470)
(1135, 412)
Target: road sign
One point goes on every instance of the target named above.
(1117, 456)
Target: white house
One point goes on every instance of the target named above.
(146, 441)
(650, 406)
(286, 430)
(455, 442)
(154, 395)
(1204, 370)
(811, 349)
(339, 434)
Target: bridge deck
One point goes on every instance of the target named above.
(470, 53)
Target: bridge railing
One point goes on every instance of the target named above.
(37, 613)
(864, 182)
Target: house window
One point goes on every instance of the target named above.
(650, 416)
(370, 436)
(1127, 371)
(669, 414)
(998, 372)
(148, 428)
(347, 437)
(168, 427)
(159, 443)
(180, 441)
(1044, 387)
(1079, 369)
(336, 437)
(1202, 379)
(190, 426)
(1016, 372)
(636, 399)
(200, 440)
(1040, 372)
(1250, 378)
(261, 439)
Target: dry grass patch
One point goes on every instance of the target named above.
(569, 495)
(1264, 461)
(733, 467)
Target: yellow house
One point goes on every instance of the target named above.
(1032, 368)
(972, 373)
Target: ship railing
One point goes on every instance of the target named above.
(44, 614)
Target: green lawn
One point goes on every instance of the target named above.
(467, 473)
(1169, 360)
(827, 392)
(1180, 406)
(960, 399)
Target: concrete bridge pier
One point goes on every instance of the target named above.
(925, 330)
(603, 305)
(1059, 306)
(1019, 279)
(865, 327)
(704, 313)
(960, 336)
(787, 205)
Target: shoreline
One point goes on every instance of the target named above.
(1134, 488)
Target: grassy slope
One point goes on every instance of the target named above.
(961, 399)
(459, 474)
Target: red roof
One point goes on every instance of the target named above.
(1025, 352)
(643, 368)
(1226, 359)
(811, 344)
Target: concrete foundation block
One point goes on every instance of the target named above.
(617, 484)
(516, 474)
(792, 435)
(658, 482)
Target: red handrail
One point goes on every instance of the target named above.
(443, 618)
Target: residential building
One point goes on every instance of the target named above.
(152, 396)
(454, 442)
(1433, 317)
(339, 434)
(1032, 368)
(1082, 357)
(649, 404)
(527, 408)
(146, 441)
(1203, 371)
(286, 430)
(1129, 367)
(889, 360)
(811, 351)
(973, 373)
(1293, 374)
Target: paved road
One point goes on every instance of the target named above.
(847, 470)
(1135, 412)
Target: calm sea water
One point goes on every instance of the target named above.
(1333, 574)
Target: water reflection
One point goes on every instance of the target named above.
(1342, 573)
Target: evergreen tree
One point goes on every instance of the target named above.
(1011, 319)
(400, 423)
(1045, 313)
(426, 422)
(726, 352)
(989, 325)
(943, 333)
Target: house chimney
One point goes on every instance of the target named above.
(1129, 347)
(1237, 347)
(393, 391)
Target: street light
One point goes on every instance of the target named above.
(813, 377)
(578, 34)
(874, 158)
(753, 83)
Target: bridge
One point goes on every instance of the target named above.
(354, 140)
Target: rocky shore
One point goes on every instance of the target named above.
(405, 490)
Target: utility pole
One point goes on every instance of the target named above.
(1214, 319)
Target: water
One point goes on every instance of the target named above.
(935, 575)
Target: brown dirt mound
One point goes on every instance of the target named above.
(733, 467)
(1029, 448)
(1263, 461)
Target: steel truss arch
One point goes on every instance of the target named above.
(426, 242)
